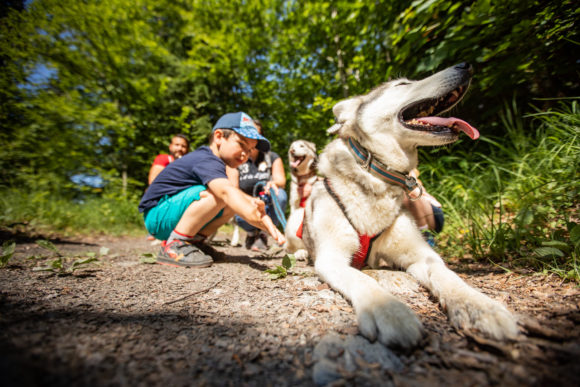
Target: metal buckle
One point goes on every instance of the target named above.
(412, 184)
(367, 163)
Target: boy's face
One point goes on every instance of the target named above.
(235, 149)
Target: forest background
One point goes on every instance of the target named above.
(92, 90)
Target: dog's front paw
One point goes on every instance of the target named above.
(479, 312)
(301, 255)
(392, 322)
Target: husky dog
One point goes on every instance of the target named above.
(302, 158)
(355, 213)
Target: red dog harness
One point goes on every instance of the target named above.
(365, 241)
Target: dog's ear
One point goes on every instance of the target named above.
(311, 146)
(345, 113)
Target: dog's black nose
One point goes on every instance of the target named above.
(464, 66)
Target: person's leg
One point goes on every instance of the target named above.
(422, 212)
(170, 211)
(251, 232)
(439, 218)
(247, 227)
(200, 215)
(260, 240)
(178, 219)
(222, 218)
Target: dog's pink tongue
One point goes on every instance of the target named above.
(450, 121)
(295, 163)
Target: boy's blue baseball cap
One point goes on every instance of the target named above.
(244, 125)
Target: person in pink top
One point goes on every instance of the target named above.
(178, 147)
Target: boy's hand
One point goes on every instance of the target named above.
(260, 205)
(267, 222)
(273, 230)
(271, 185)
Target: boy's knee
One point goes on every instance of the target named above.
(212, 200)
(228, 212)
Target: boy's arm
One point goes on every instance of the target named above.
(233, 176)
(249, 208)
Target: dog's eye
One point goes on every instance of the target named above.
(402, 83)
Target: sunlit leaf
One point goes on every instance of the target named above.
(8, 248)
(148, 258)
(289, 261)
(545, 252)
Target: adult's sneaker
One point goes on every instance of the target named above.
(251, 238)
(429, 238)
(183, 254)
(261, 242)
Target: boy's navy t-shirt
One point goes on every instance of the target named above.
(196, 168)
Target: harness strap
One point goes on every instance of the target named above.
(362, 254)
(365, 241)
(338, 202)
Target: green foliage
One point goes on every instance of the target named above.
(62, 265)
(326, 51)
(115, 79)
(288, 264)
(43, 212)
(516, 201)
(8, 248)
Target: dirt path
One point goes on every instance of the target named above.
(128, 323)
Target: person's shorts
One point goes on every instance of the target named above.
(161, 220)
(439, 218)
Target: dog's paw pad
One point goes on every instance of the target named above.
(391, 321)
(301, 255)
(484, 315)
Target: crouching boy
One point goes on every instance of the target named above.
(192, 197)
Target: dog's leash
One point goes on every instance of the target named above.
(376, 168)
(277, 208)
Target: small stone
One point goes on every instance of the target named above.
(325, 372)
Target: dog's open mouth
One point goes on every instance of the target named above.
(422, 115)
(297, 160)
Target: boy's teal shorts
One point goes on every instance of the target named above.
(161, 220)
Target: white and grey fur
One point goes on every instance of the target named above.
(302, 173)
(375, 206)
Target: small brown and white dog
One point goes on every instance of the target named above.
(303, 160)
(302, 157)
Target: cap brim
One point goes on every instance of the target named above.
(251, 132)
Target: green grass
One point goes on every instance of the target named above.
(43, 212)
(515, 202)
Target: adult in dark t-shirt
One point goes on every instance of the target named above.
(262, 173)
